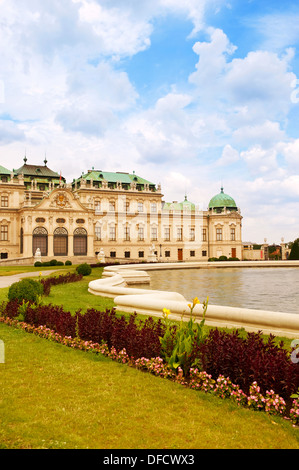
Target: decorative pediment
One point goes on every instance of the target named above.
(61, 199)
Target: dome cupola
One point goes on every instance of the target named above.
(221, 201)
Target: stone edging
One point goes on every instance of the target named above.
(116, 280)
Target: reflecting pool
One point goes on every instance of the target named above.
(275, 289)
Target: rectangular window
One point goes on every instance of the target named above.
(167, 254)
(219, 234)
(140, 234)
(4, 233)
(179, 234)
(98, 234)
(127, 254)
(140, 207)
(126, 206)
(112, 233)
(4, 201)
(232, 234)
(167, 233)
(140, 254)
(154, 234)
(112, 206)
(112, 254)
(204, 253)
(204, 234)
(97, 207)
(153, 207)
(192, 253)
(192, 234)
(127, 234)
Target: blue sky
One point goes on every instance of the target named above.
(191, 95)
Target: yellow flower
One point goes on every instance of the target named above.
(196, 301)
(166, 311)
(189, 305)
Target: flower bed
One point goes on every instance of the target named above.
(48, 282)
(138, 344)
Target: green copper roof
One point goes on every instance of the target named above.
(4, 171)
(222, 200)
(114, 177)
(179, 206)
(36, 171)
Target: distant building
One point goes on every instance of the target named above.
(117, 214)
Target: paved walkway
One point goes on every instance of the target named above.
(6, 281)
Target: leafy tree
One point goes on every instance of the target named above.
(295, 250)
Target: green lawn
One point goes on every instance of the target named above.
(56, 397)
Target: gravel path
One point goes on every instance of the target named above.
(6, 281)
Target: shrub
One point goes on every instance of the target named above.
(250, 359)
(68, 263)
(62, 279)
(53, 262)
(140, 339)
(26, 289)
(59, 263)
(84, 269)
(38, 263)
(53, 317)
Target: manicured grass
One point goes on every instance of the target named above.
(74, 296)
(56, 397)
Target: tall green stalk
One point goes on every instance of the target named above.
(186, 335)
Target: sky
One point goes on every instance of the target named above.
(193, 95)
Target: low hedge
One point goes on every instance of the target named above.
(53, 262)
(48, 282)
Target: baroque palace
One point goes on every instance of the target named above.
(112, 216)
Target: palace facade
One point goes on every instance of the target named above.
(117, 215)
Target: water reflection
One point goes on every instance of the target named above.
(273, 289)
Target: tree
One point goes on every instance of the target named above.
(295, 250)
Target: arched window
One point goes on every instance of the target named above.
(80, 242)
(40, 240)
(60, 241)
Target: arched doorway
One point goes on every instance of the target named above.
(60, 242)
(40, 240)
(80, 242)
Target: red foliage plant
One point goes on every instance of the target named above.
(249, 359)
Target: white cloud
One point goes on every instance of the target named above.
(260, 160)
(116, 29)
(290, 151)
(265, 134)
(262, 82)
(211, 65)
(229, 155)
